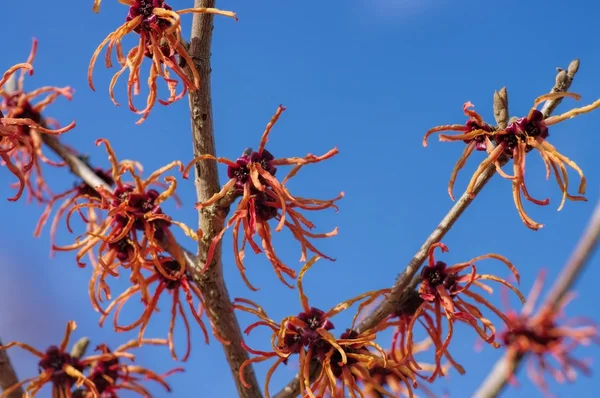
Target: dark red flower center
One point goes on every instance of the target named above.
(150, 22)
(123, 249)
(105, 374)
(473, 125)
(55, 361)
(522, 128)
(241, 171)
(172, 268)
(538, 336)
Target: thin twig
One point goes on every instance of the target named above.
(211, 283)
(498, 378)
(404, 283)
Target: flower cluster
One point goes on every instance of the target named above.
(514, 142)
(159, 30)
(265, 198)
(443, 293)
(22, 127)
(546, 336)
(99, 376)
(344, 360)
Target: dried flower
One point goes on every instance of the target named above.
(548, 335)
(308, 335)
(159, 30)
(520, 136)
(264, 198)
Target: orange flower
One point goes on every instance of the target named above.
(308, 335)
(130, 209)
(542, 337)
(264, 198)
(177, 287)
(401, 321)
(442, 290)
(110, 375)
(58, 367)
(80, 192)
(520, 136)
(159, 30)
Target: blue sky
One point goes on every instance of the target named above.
(367, 76)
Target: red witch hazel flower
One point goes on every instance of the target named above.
(444, 291)
(80, 192)
(131, 210)
(159, 30)
(265, 198)
(401, 320)
(308, 335)
(21, 127)
(176, 288)
(110, 375)
(547, 337)
(57, 367)
(520, 137)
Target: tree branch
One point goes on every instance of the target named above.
(8, 376)
(404, 283)
(212, 219)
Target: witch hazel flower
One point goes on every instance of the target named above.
(265, 198)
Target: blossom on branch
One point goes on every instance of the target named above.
(444, 291)
(110, 375)
(520, 137)
(176, 288)
(57, 367)
(308, 335)
(133, 226)
(159, 30)
(22, 126)
(547, 339)
(265, 198)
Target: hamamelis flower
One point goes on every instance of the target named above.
(176, 288)
(444, 291)
(132, 210)
(547, 339)
(308, 335)
(520, 136)
(21, 147)
(79, 193)
(111, 376)
(401, 321)
(159, 30)
(396, 381)
(265, 198)
(59, 368)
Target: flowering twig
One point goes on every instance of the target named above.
(211, 222)
(405, 282)
(8, 376)
(499, 376)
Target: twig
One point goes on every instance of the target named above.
(212, 284)
(404, 283)
(502, 370)
(8, 376)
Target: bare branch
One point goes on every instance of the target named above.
(8, 376)
(212, 284)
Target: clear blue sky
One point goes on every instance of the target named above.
(368, 76)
